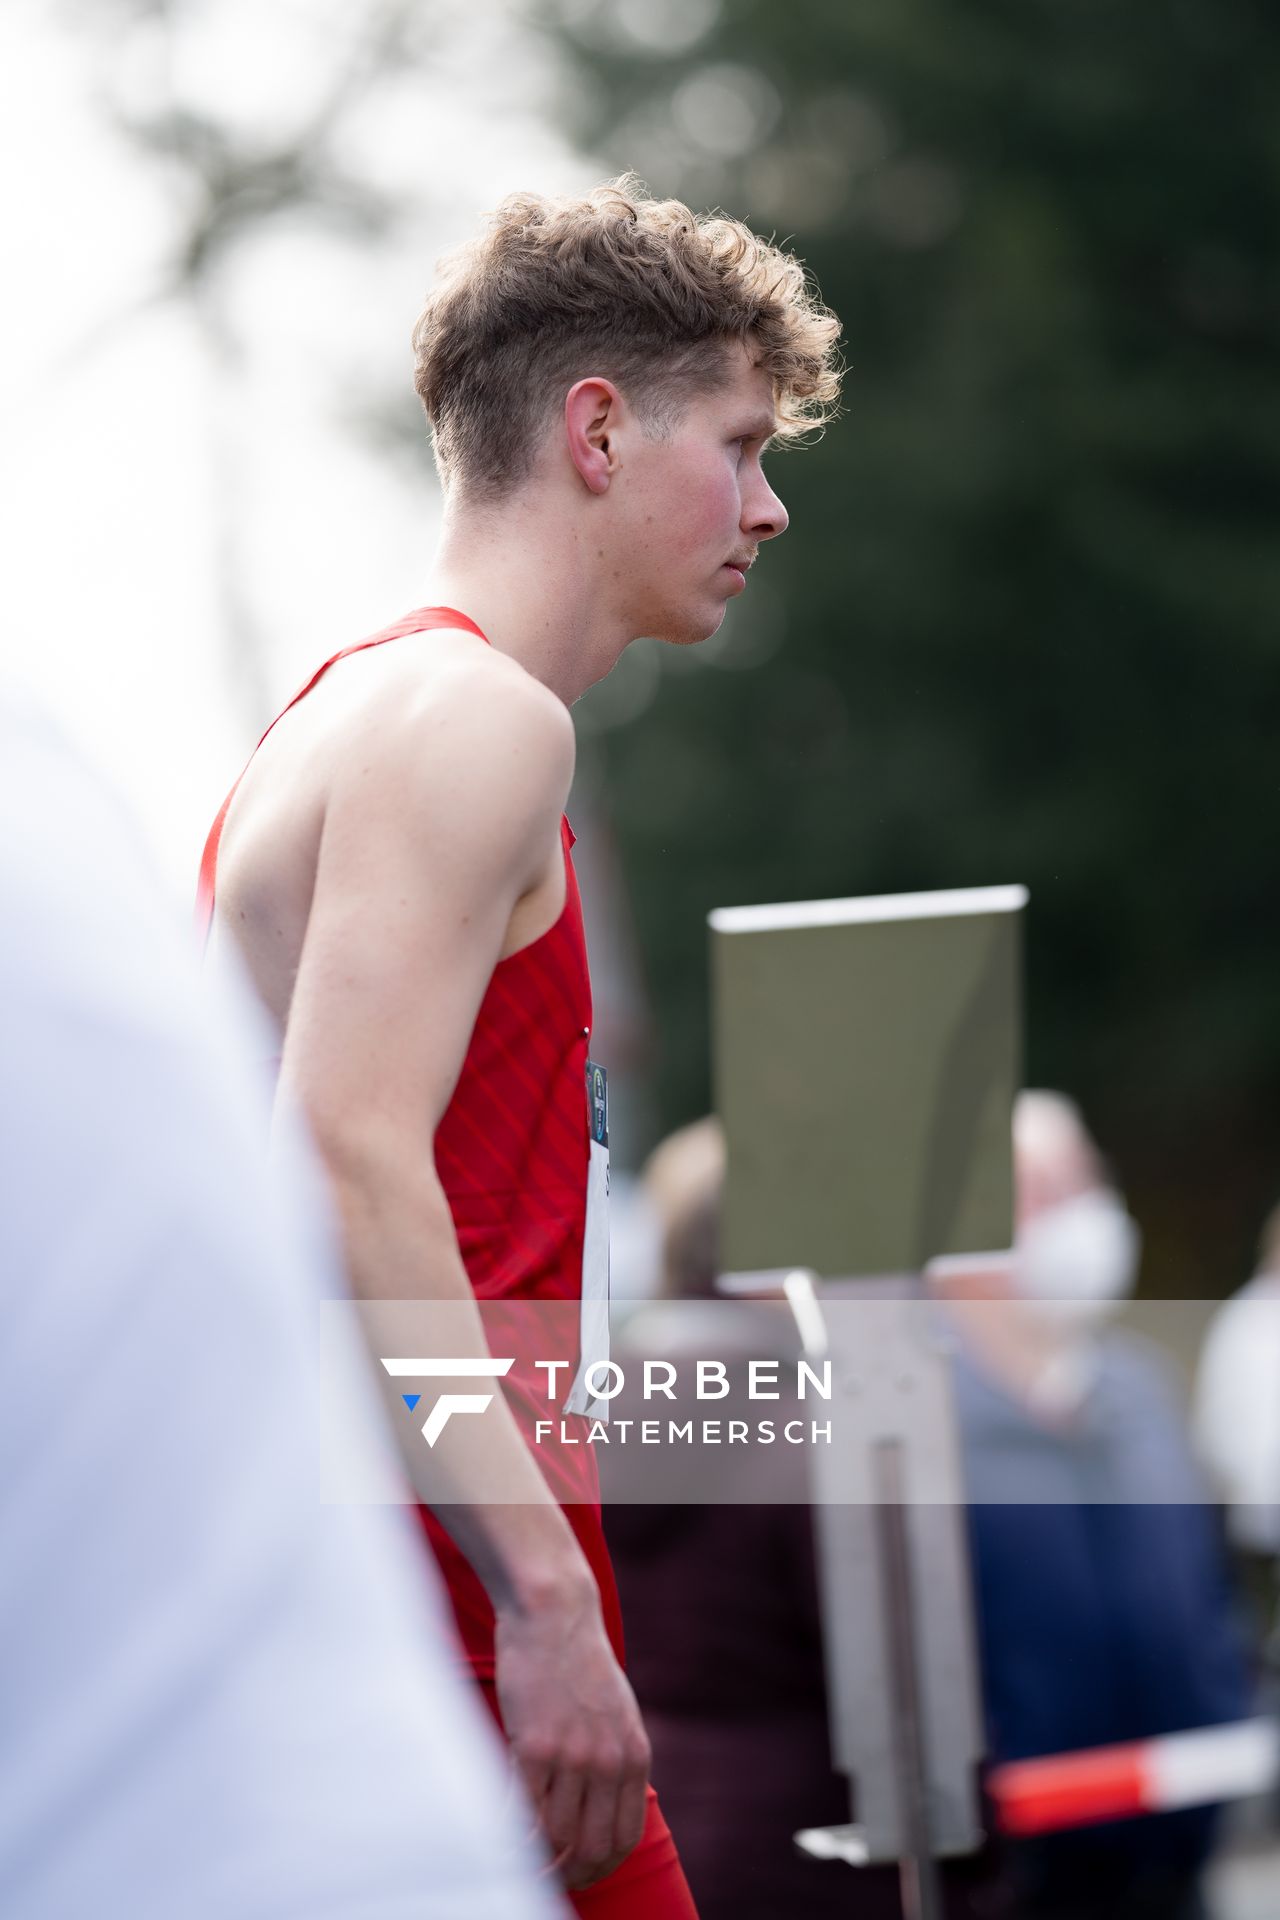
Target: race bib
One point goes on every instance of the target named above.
(593, 1339)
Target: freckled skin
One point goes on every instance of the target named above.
(693, 499)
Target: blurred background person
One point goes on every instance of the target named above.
(1103, 1605)
(1237, 1403)
(1237, 1433)
(221, 1696)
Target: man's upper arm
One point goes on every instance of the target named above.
(442, 818)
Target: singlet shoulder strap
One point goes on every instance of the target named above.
(422, 620)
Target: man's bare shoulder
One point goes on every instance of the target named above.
(471, 732)
(485, 690)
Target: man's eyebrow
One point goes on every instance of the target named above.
(763, 427)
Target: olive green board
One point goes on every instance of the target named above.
(866, 1053)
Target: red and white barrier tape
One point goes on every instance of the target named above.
(1143, 1776)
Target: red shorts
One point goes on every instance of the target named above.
(650, 1883)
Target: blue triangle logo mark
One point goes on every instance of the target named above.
(411, 1400)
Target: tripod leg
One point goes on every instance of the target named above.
(921, 1893)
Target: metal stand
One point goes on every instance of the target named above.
(921, 1895)
(866, 1059)
(897, 1612)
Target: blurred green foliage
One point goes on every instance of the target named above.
(1024, 625)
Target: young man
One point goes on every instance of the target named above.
(602, 377)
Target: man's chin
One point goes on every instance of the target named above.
(689, 629)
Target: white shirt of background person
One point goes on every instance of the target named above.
(1237, 1411)
(219, 1696)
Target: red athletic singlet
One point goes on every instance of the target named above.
(512, 1154)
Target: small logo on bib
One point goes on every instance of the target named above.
(598, 1103)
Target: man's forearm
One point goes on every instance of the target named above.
(401, 1246)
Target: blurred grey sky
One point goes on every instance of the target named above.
(197, 505)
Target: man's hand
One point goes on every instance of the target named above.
(574, 1727)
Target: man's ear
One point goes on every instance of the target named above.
(592, 411)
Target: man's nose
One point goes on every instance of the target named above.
(766, 517)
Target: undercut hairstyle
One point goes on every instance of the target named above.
(617, 285)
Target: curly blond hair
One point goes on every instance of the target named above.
(615, 283)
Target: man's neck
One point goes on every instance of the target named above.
(537, 598)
